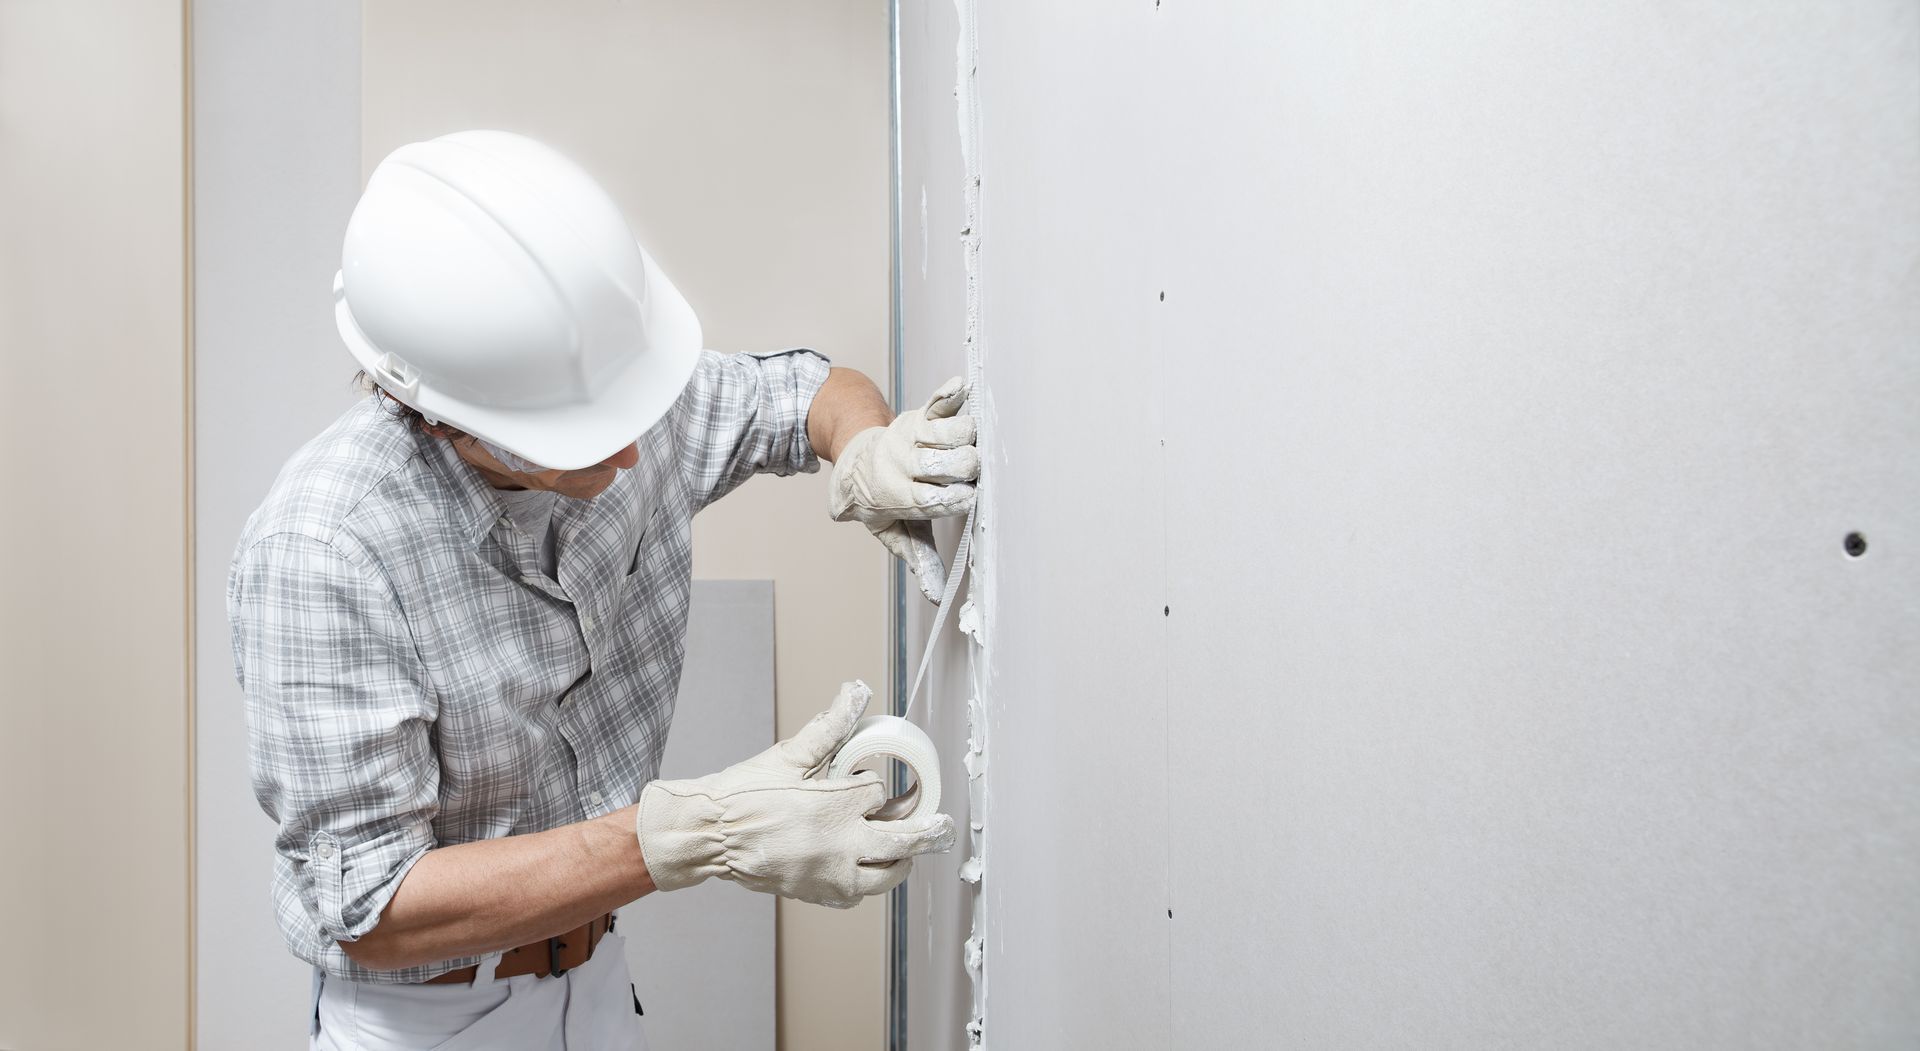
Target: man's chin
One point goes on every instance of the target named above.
(587, 483)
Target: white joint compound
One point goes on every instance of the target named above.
(970, 621)
(975, 617)
(976, 740)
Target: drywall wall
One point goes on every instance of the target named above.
(93, 630)
(746, 141)
(276, 144)
(1431, 623)
(1069, 580)
(702, 958)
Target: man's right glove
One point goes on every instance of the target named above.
(897, 478)
(774, 825)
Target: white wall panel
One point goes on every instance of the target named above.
(1070, 565)
(939, 906)
(276, 173)
(1582, 338)
(1520, 371)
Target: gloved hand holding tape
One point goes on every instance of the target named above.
(808, 818)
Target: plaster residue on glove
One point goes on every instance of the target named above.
(898, 478)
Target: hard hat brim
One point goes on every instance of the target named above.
(570, 437)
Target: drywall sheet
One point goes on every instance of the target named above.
(939, 907)
(276, 171)
(1069, 585)
(1480, 661)
(702, 958)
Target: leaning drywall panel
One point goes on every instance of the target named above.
(276, 172)
(1527, 366)
(702, 959)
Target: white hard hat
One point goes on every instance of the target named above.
(492, 285)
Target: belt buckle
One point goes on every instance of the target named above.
(554, 945)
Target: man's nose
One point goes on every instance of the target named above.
(625, 458)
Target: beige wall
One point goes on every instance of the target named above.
(747, 142)
(93, 716)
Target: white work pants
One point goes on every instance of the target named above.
(590, 1008)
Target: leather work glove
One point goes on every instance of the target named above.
(773, 825)
(897, 478)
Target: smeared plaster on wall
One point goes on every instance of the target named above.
(976, 759)
(976, 612)
(970, 621)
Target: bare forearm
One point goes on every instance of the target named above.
(847, 404)
(496, 894)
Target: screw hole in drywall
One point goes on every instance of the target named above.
(1169, 914)
(1163, 297)
(1166, 611)
(1856, 545)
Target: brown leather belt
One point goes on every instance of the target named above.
(554, 956)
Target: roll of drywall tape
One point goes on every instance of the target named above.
(878, 738)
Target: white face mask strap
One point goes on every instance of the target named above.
(507, 459)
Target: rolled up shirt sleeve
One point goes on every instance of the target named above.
(746, 414)
(339, 719)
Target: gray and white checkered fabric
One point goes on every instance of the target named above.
(414, 680)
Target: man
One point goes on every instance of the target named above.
(459, 615)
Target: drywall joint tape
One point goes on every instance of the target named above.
(878, 738)
(962, 557)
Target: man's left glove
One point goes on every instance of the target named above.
(898, 478)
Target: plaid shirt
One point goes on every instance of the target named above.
(414, 680)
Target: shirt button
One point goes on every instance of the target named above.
(323, 851)
(586, 621)
(596, 799)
